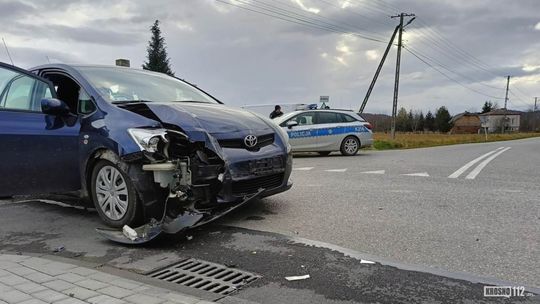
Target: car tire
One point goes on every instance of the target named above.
(350, 146)
(324, 153)
(114, 195)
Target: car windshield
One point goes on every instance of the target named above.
(119, 85)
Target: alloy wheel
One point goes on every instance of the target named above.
(351, 145)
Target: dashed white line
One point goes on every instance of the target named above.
(483, 164)
(303, 169)
(421, 174)
(471, 163)
(374, 172)
(336, 170)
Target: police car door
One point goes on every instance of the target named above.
(329, 130)
(302, 137)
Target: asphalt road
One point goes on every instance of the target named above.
(488, 226)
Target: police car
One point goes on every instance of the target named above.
(325, 131)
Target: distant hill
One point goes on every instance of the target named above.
(380, 122)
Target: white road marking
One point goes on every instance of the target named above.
(336, 170)
(366, 262)
(303, 169)
(483, 164)
(421, 174)
(374, 172)
(471, 163)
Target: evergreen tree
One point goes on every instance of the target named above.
(488, 107)
(420, 122)
(158, 60)
(410, 122)
(442, 120)
(429, 123)
(402, 120)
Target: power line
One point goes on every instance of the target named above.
(452, 71)
(357, 13)
(449, 77)
(306, 21)
(315, 17)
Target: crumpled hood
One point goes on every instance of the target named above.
(214, 118)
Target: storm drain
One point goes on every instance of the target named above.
(205, 276)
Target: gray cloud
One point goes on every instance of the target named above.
(241, 57)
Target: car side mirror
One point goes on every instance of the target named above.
(292, 123)
(54, 106)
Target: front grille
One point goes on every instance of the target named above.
(205, 275)
(250, 186)
(238, 143)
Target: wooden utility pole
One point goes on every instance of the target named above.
(383, 59)
(506, 103)
(534, 114)
(398, 66)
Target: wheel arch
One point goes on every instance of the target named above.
(95, 156)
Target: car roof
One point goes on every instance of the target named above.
(291, 114)
(68, 67)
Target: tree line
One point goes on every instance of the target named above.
(413, 121)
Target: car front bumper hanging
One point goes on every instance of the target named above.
(189, 219)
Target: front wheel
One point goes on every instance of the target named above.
(114, 195)
(350, 146)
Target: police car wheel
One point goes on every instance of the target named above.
(350, 146)
(324, 153)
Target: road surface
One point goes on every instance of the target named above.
(489, 225)
(433, 219)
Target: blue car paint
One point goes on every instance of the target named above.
(53, 154)
(327, 131)
(33, 148)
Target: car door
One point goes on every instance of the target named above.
(329, 130)
(38, 152)
(302, 137)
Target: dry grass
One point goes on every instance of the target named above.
(413, 140)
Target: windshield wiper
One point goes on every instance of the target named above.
(130, 101)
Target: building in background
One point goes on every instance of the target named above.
(495, 122)
(465, 123)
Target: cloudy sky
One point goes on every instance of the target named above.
(243, 57)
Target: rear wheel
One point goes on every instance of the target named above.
(350, 146)
(114, 195)
(324, 153)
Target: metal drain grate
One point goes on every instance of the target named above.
(205, 276)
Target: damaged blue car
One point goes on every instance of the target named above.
(150, 151)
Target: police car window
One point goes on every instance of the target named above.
(347, 118)
(327, 117)
(302, 119)
(305, 119)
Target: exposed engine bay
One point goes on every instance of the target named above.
(187, 174)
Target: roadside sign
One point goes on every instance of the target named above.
(324, 99)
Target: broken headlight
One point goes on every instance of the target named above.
(148, 139)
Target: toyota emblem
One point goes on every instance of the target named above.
(250, 141)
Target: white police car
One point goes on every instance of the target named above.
(324, 131)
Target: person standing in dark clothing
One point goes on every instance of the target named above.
(276, 113)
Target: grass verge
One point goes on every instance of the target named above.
(382, 141)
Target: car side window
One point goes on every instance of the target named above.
(86, 105)
(303, 119)
(347, 118)
(327, 118)
(21, 92)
